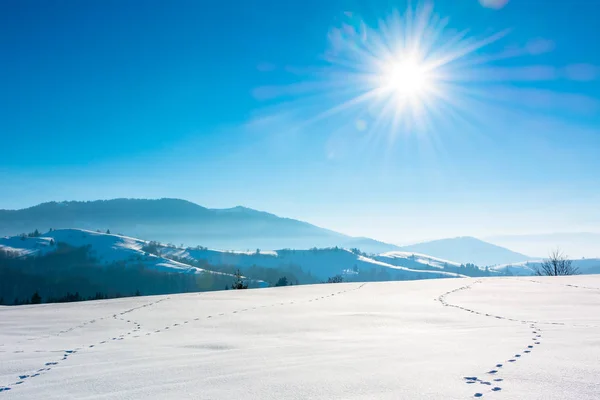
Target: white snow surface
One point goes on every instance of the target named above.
(501, 338)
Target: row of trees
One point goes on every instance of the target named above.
(69, 297)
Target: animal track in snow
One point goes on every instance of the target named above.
(532, 325)
(128, 334)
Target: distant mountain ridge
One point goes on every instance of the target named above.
(182, 222)
(237, 228)
(468, 249)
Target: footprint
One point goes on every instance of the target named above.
(530, 347)
(498, 365)
(527, 351)
(517, 355)
(23, 376)
(496, 389)
(492, 371)
(51, 363)
(498, 380)
(478, 395)
(512, 360)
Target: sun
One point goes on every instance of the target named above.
(405, 78)
(408, 73)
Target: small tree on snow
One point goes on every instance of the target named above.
(557, 264)
(239, 283)
(36, 298)
(283, 281)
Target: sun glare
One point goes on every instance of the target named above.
(405, 74)
(406, 79)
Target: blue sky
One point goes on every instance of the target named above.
(223, 103)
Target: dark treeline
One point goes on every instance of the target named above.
(72, 274)
(293, 273)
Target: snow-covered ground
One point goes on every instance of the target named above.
(497, 338)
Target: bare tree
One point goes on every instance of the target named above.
(557, 264)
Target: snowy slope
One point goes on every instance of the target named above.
(106, 248)
(321, 263)
(417, 259)
(494, 338)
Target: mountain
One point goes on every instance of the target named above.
(573, 244)
(467, 250)
(182, 222)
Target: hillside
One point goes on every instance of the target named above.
(585, 266)
(182, 222)
(496, 338)
(74, 260)
(319, 263)
(78, 264)
(467, 250)
(105, 249)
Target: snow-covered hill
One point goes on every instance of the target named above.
(106, 248)
(321, 263)
(491, 338)
(422, 260)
